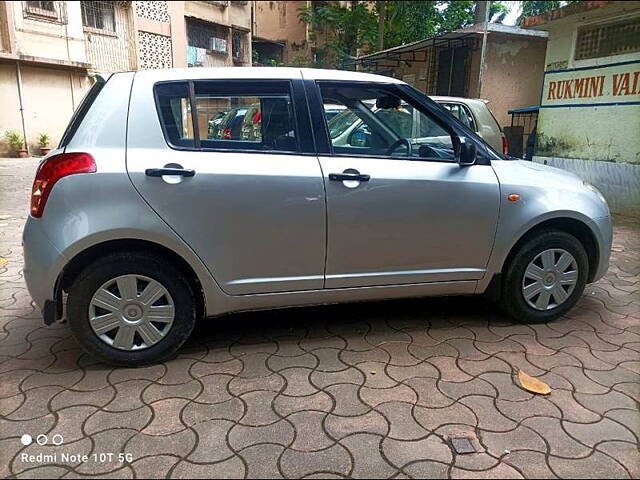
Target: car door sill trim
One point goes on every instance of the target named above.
(401, 273)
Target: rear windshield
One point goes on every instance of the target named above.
(81, 111)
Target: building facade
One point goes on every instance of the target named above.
(279, 36)
(49, 49)
(507, 72)
(589, 118)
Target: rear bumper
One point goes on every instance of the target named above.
(42, 261)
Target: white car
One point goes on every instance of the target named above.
(475, 114)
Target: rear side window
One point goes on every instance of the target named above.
(219, 115)
(461, 113)
(81, 111)
(174, 106)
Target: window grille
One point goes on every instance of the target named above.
(239, 45)
(45, 11)
(112, 48)
(608, 40)
(37, 5)
(210, 36)
(98, 15)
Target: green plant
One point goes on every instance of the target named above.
(15, 139)
(43, 140)
(344, 30)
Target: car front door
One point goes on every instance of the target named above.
(400, 210)
(247, 197)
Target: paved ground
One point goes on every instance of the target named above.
(359, 390)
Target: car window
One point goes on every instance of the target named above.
(462, 113)
(229, 116)
(378, 121)
(340, 122)
(172, 100)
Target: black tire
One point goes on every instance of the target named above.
(112, 266)
(513, 300)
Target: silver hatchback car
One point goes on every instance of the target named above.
(149, 220)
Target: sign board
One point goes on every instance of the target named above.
(606, 84)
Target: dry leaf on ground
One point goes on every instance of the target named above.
(533, 384)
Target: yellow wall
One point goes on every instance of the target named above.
(236, 14)
(581, 127)
(279, 22)
(513, 73)
(512, 77)
(48, 100)
(50, 40)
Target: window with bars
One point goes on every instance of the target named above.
(36, 5)
(99, 15)
(607, 40)
(45, 10)
(210, 36)
(239, 45)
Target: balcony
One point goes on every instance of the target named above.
(108, 33)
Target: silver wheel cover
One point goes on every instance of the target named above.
(131, 312)
(549, 279)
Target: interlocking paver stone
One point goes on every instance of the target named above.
(354, 390)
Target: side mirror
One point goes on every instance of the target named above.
(465, 151)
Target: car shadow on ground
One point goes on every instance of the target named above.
(375, 322)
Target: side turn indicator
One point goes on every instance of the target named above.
(514, 197)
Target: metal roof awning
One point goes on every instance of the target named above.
(280, 43)
(524, 110)
(396, 53)
(441, 40)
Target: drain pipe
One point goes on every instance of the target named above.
(482, 15)
(19, 83)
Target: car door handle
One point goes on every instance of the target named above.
(349, 176)
(160, 172)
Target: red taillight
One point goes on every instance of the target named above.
(505, 145)
(226, 134)
(52, 170)
(257, 117)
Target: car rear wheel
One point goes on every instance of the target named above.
(545, 278)
(131, 309)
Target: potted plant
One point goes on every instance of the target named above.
(17, 143)
(43, 143)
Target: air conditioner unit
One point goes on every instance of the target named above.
(218, 44)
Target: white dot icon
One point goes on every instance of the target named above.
(26, 439)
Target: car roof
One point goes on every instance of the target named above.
(442, 98)
(249, 73)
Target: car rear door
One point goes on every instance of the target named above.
(248, 200)
(394, 218)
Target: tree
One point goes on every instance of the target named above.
(409, 21)
(341, 32)
(532, 8)
(456, 14)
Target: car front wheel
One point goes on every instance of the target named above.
(545, 278)
(131, 309)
